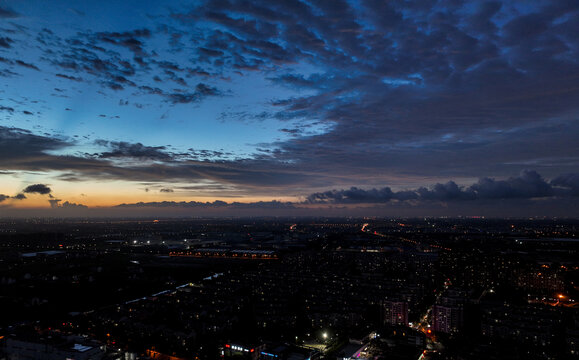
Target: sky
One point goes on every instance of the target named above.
(270, 107)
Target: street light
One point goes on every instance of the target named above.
(325, 335)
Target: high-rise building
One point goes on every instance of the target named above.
(396, 312)
(448, 312)
(447, 318)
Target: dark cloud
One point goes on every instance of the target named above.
(19, 196)
(96, 56)
(25, 151)
(528, 185)
(122, 149)
(37, 189)
(6, 13)
(352, 195)
(201, 91)
(293, 132)
(394, 80)
(56, 204)
(184, 97)
(130, 39)
(205, 155)
(568, 182)
(211, 52)
(445, 192)
(166, 190)
(3, 197)
(69, 77)
(217, 204)
(26, 65)
(395, 89)
(5, 42)
(69, 205)
(7, 73)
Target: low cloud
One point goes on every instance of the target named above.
(37, 189)
(567, 182)
(528, 185)
(55, 204)
(69, 205)
(217, 204)
(122, 149)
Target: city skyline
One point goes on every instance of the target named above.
(180, 108)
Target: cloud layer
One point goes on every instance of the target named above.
(289, 99)
(527, 194)
(528, 185)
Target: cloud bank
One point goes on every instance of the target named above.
(528, 185)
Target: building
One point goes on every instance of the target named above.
(536, 325)
(395, 312)
(52, 349)
(242, 351)
(447, 318)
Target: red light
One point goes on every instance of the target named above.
(252, 350)
(227, 345)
